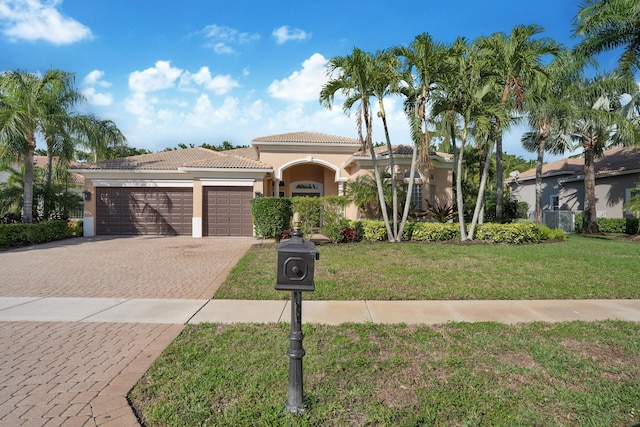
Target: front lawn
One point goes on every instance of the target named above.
(580, 268)
(562, 374)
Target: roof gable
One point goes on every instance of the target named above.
(177, 159)
(306, 138)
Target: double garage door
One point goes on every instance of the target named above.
(169, 211)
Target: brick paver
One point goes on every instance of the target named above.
(78, 374)
(131, 267)
(59, 374)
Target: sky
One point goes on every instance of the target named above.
(197, 71)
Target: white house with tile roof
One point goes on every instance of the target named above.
(201, 192)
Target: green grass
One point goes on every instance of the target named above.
(563, 374)
(580, 268)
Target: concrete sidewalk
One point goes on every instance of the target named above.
(184, 311)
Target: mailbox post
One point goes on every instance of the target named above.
(296, 259)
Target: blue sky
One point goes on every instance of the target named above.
(170, 72)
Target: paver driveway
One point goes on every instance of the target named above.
(78, 374)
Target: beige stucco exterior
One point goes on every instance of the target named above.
(287, 165)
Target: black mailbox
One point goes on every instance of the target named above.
(296, 262)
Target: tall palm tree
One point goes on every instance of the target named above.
(515, 59)
(548, 105)
(423, 64)
(597, 124)
(25, 105)
(464, 95)
(353, 76)
(610, 24)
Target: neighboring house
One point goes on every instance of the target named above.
(617, 173)
(201, 192)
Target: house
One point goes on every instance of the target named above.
(617, 173)
(201, 192)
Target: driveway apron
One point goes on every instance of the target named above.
(78, 373)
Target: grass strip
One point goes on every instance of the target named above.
(562, 374)
(580, 268)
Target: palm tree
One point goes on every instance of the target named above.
(547, 107)
(25, 106)
(514, 59)
(610, 24)
(354, 75)
(464, 96)
(423, 64)
(100, 136)
(596, 123)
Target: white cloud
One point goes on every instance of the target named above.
(285, 34)
(161, 76)
(35, 20)
(304, 85)
(95, 98)
(94, 78)
(222, 39)
(204, 114)
(219, 84)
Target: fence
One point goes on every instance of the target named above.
(563, 220)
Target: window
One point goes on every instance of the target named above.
(555, 202)
(416, 197)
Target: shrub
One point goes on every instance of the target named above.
(333, 220)
(407, 232)
(632, 226)
(508, 233)
(546, 233)
(310, 209)
(358, 230)
(435, 231)
(271, 216)
(611, 225)
(374, 231)
(18, 235)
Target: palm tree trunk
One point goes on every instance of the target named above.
(589, 224)
(499, 177)
(392, 167)
(539, 164)
(459, 201)
(27, 205)
(480, 200)
(405, 213)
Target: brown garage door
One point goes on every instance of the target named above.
(154, 211)
(227, 211)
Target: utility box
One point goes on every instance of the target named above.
(296, 263)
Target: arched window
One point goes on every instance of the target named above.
(416, 192)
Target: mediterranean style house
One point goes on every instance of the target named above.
(617, 173)
(201, 192)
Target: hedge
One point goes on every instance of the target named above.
(271, 216)
(19, 235)
(611, 225)
(514, 233)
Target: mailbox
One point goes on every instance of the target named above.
(296, 262)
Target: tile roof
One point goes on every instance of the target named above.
(172, 160)
(615, 160)
(307, 138)
(401, 150)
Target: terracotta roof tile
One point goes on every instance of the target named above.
(227, 161)
(404, 150)
(307, 138)
(615, 160)
(246, 152)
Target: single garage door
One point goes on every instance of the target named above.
(227, 211)
(154, 211)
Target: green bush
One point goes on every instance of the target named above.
(632, 226)
(373, 230)
(358, 228)
(435, 231)
(546, 233)
(508, 233)
(18, 235)
(333, 220)
(407, 232)
(271, 216)
(611, 225)
(310, 209)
